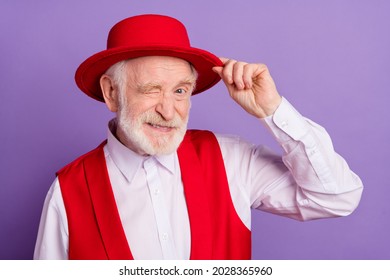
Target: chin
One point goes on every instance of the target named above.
(149, 140)
(163, 145)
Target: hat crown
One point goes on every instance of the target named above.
(148, 30)
(146, 35)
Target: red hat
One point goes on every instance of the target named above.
(146, 35)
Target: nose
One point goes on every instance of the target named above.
(166, 107)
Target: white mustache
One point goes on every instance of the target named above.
(156, 120)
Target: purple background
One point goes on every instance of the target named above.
(329, 58)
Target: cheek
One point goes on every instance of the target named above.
(135, 109)
(183, 109)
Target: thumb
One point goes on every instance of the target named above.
(218, 70)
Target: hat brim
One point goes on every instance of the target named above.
(89, 72)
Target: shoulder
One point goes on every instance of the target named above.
(222, 139)
(79, 161)
(232, 143)
(233, 148)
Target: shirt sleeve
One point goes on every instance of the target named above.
(309, 181)
(52, 240)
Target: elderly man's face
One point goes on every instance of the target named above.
(154, 104)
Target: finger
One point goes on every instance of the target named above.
(224, 59)
(238, 71)
(227, 71)
(251, 71)
(218, 70)
(247, 76)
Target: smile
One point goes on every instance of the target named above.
(161, 128)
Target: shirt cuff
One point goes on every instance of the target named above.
(286, 123)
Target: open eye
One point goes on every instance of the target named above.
(181, 91)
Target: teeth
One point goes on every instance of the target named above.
(159, 126)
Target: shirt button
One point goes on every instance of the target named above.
(164, 236)
(304, 202)
(284, 124)
(156, 192)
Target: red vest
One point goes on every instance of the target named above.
(95, 229)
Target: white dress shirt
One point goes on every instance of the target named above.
(310, 181)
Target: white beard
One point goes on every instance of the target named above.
(131, 127)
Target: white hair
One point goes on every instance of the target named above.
(118, 74)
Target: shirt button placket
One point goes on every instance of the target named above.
(159, 208)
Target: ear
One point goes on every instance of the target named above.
(110, 92)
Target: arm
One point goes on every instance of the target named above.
(311, 180)
(52, 239)
(316, 178)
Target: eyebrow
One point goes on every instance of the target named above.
(148, 86)
(189, 82)
(155, 85)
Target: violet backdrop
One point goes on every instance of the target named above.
(329, 58)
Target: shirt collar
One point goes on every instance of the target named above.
(127, 161)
